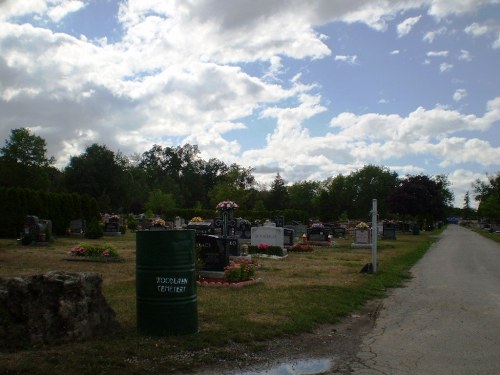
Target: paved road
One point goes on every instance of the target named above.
(447, 320)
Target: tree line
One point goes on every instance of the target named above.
(163, 179)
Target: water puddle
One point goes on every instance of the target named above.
(299, 367)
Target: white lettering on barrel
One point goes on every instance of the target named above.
(174, 285)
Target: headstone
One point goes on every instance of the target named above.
(288, 237)
(77, 227)
(271, 236)
(37, 231)
(233, 245)
(362, 236)
(279, 221)
(213, 252)
(268, 223)
(202, 227)
(299, 229)
(243, 228)
(317, 233)
(112, 227)
(389, 231)
(338, 232)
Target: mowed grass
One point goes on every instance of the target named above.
(296, 294)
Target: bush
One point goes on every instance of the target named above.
(266, 249)
(241, 270)
(87, 250)
(94, 230)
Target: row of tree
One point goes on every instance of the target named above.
(164, 178)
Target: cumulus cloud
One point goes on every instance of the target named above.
(465, 55)
(405, 27)
(437, 53)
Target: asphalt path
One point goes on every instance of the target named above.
(447, 319)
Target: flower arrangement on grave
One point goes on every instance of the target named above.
(196, 219)
(363, 226)
(241, 270)
(265, 249)
(94, 251)
(158, 222)
(226, 205)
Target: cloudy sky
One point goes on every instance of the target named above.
(309, 89)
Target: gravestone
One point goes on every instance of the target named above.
(202, 227)
(362, 238)
(243, 228)
(338, 232)
(317, 233)
(288, 236)
(36, 231)
(213, 252)
(279, 221)
(271, 236)
(299, 230)
(389, 231)
(268, 223)
(77, 227)
(112, 227)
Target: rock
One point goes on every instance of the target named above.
(53, 308)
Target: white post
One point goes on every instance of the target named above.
(374, 235)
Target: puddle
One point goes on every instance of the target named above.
(299, 367)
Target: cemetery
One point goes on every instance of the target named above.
(272, 261)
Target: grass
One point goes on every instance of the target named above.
(297, 294)
(486, 233)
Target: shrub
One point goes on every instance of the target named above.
(87, 250)
(94, 230)
(241, 270)
(266, 249)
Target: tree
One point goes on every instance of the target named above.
(488, 196)
(422, 198)
(160, 202)
(100, 173)
(467, 210)
(302, 195)
(24, 163)
(27, 149)
(278, 197)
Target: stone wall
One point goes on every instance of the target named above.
(53, 308)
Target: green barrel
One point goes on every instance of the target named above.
(166, 282)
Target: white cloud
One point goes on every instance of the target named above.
(465, 55)
(405, 27)
(431, 35)
(394, 52)
(476, 29)
(496, 43)
(459, 94)
(445, 67)
(60, 11)
(350, 59)
(437, 53)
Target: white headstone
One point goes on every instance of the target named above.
(271, 236)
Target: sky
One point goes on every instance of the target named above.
(306, 89)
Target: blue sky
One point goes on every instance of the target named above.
(309, 89)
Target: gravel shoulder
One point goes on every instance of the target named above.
(338, 342)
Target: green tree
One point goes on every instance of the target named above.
(488, 196)
(24, 161)
(422, 198)
(467, 210)
(100, 173)
(160, 202)
(278, 198)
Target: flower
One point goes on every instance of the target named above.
(105, 253)
(225, 205)
(317, 225)
(362, 225)
(159, 222)
(78, 250)
(196, 219)
(263, 246)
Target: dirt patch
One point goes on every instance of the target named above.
(340, 342)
